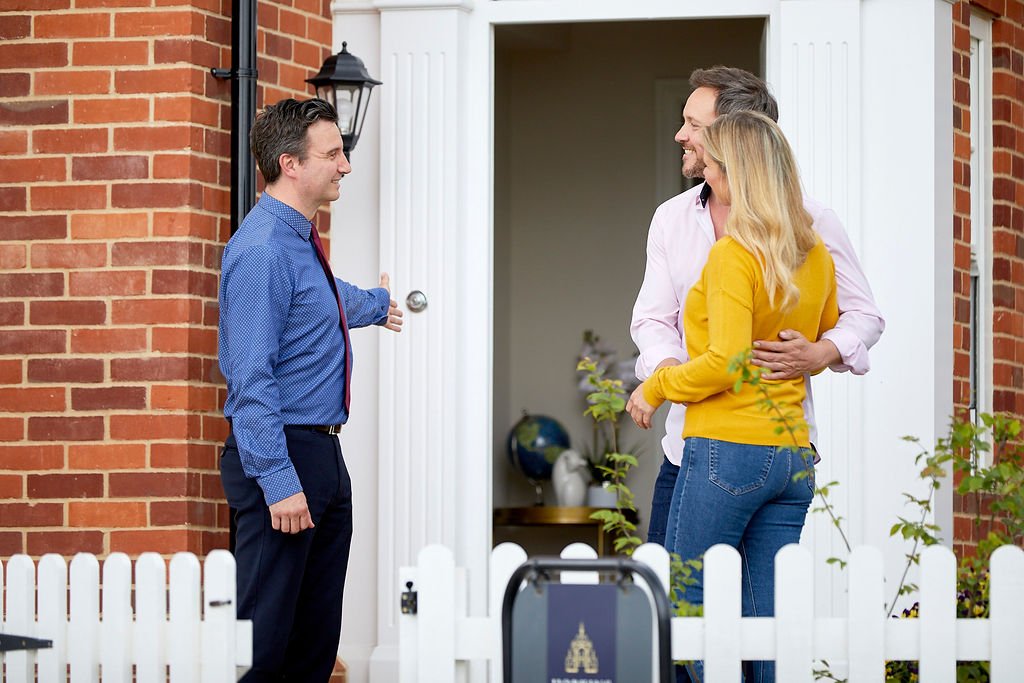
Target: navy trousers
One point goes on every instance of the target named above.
(291, 585)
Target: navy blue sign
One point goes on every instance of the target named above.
(581, 633)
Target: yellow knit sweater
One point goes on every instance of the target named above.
(726, 310)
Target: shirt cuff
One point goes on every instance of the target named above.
(647, 362)
(851, 350)
(383, 300)
(279, 485)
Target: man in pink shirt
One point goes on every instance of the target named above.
(682, 232)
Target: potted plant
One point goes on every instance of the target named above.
(597, 364)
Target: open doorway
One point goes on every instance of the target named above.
(584, 118)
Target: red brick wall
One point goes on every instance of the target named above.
(1008, 207)
(114, 206)
(1007, 238)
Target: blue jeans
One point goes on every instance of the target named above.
(745, 496)
(661, 501)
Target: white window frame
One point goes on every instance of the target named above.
(981, 217)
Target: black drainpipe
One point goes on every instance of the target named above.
(243, 77)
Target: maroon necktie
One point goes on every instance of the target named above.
(322, 258)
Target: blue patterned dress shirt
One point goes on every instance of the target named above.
(281, 345)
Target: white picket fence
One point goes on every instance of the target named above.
(185, 633)
(440, 639)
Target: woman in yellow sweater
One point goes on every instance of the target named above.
(770, 272)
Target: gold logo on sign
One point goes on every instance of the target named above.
(581, 654)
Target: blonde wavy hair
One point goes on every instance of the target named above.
(767, 215)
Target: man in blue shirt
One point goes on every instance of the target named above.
(285, 351)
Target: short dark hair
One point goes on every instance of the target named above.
(738, 90)
(281, 129)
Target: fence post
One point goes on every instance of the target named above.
(937, 614)
(723, 610)
(436, 628)
(794, 614)
(116, 628)
(1006, 613)
(53, 617)
(867, 616)
(219, 618)
(408, 629)
(21, 616)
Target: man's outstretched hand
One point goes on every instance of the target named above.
(394, 321)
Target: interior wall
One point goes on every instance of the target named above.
(575, 178)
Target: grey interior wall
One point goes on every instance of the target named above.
(575, 150)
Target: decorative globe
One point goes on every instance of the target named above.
(534, 444)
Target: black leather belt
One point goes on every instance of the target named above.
(326, 429)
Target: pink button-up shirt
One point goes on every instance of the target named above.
(678, 243)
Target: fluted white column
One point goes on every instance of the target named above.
(435, 397)
(817, 81)
(868, 115)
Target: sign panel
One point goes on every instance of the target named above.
(581, 633)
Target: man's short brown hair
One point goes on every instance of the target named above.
(281, 129)
(738, 90)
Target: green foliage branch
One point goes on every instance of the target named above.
(605, 403)
(997, 494)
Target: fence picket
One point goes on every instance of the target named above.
(185, 619)
(655, 557)
(579, 551)
(116, 641)
(867, 616)
(794, 614)
(53, 619)
(937, 615)
(436, 598)
(21, 616)
(722, 612)
(219, 634)
(83, 629)
(150, 618)
(505, 558)
(1006, 613)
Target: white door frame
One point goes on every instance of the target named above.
(420, 205)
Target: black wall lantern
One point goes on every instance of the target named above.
(344, 82)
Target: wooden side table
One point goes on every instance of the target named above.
(555, 517)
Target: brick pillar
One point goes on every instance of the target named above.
(1008, 222)
(114, 208)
